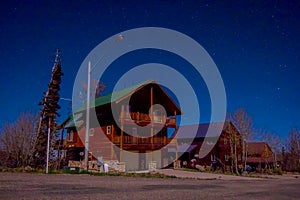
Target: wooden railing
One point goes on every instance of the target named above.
(139, 140)
(138, 117)
(171, 121)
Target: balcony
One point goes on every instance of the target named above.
(142, 143)
(144, 119)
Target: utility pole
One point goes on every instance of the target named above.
(87, 123)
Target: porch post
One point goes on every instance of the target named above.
(112, 142)
(176, 138)
(122, 127)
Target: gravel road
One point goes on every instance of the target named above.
(67, 186)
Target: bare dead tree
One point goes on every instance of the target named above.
(233, 140)
(17, 140)
(243, 122)
(274, 142)
(97, 89)
(293, 150)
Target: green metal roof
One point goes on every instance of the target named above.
(113, 97)
(71, 121)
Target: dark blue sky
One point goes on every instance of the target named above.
(255, 45)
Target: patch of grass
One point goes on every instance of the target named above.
(51, 171)
(189, 170)
(278, 171)
(19, 169)
(229, 173)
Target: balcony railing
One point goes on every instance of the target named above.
(142, 117)
(141, 141)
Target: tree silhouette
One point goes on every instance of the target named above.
(48, 114)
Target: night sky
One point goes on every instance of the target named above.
(255, 45)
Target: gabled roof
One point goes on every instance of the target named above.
(113, 97)
(256, 147)
(188, 131)
(118, 96)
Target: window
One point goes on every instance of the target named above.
(92, 132)
(70, 136)
(226, 157)
(108, 130)
(213, 157)
(157, 117)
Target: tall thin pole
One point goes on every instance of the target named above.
(152, 125)
(60, 148)
(87, 122)
(122, 133)
(48, 145)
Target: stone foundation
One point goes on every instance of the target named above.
(152, 166)
(177, 164)
(115, 166)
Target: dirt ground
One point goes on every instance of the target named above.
(67, 186)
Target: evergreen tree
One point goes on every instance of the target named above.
(48, 114)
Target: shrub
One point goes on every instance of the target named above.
(277, 171)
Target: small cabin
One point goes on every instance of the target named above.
(259, 155)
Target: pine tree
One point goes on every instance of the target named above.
(48, 114)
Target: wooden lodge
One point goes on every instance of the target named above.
(223, 152)
(134, 138)
(259, 155)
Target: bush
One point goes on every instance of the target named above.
(277, 171)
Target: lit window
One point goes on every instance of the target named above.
(108, 130)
